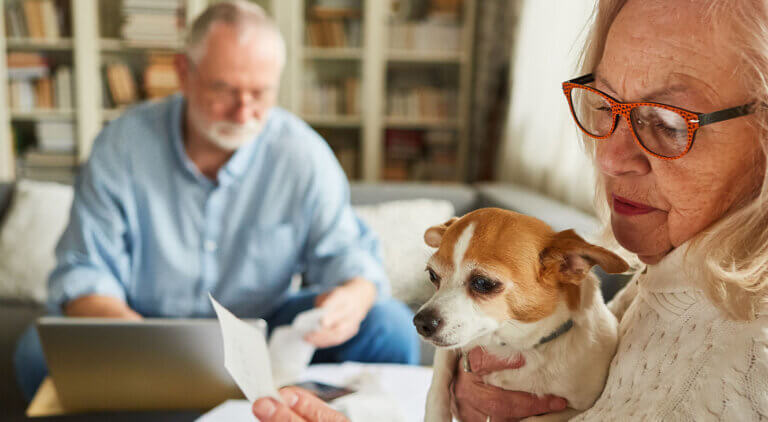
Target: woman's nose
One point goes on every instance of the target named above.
(620, 155)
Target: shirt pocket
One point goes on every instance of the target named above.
(274, 251)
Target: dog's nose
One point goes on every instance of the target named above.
(427, 322)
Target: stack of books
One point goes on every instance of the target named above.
(55, 136)
(341, 97)
(157, 21)
(436, 29)
(333, 24)
(48, 166)
(160, 78)
(37, 19)
(31, 85)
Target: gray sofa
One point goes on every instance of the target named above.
(14, 317)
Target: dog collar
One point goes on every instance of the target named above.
(567, 325)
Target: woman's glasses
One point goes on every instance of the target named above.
(663, 131)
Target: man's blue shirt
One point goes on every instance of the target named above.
(148, 228)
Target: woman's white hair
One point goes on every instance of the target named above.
(732, 254)
(240, 14)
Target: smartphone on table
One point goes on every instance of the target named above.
(325, 392)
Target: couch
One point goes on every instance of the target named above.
(15, 316)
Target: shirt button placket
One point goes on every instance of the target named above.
(210, 241)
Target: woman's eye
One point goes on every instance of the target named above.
(482, 285)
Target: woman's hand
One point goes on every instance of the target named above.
(298, 406)
(474, 401)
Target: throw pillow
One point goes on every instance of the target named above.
(401, 226)
(38, 214)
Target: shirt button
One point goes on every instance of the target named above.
(210, 246)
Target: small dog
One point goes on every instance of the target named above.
(509, 283)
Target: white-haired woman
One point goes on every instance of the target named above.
(673, 109)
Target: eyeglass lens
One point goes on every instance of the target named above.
(661, 131)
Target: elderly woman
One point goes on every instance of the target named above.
(673, 112)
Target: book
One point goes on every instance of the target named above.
(38, 158)
(122, 85)
(34, 18)
(49, 19)
(63, 87)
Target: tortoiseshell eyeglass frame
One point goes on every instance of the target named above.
(693, 120)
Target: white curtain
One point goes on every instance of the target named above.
(541, 149)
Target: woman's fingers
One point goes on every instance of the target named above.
(309, 407)
(500, 404)
(483, 363)
(268, 409)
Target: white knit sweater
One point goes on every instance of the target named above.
(679, 358)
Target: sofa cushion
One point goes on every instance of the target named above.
(463, 198)
(401, 226)
(36, 218)
(555, 213)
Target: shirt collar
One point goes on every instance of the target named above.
(237, 165)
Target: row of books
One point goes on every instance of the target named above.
(424, 102)
(424, 36)
(33, 85)
(333, 98)
(38, 19)
(334, 33)
(420, 155)
(159, 21)
(347, 156)
(121, 87)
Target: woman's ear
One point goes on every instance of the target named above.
(434, 235)
(572, 257)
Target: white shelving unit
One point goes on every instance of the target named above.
(373, 60)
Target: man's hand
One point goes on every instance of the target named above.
(472, 400)
(298, 406)
(346, 307)
(100, 307)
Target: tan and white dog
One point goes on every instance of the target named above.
(509, 283)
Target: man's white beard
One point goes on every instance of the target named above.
(225, 135)
(231, 136)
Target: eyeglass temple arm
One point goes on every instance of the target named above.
(729, 113)
(583, 79)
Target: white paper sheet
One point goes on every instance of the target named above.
(289, 352)
(245, 355)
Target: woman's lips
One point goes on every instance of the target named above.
(626, 207)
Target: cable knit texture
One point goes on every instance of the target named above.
(679, 358)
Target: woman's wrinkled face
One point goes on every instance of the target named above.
(664, 51)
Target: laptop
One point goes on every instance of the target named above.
(109, 364)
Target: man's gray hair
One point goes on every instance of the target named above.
(240, 14)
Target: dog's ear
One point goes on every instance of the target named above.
(572, 257)
(434, 235)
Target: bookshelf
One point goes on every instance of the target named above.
(339, 78)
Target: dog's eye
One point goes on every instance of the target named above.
(432, 276)
(482, 285)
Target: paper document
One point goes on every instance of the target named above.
(289, 352)
(245, 355)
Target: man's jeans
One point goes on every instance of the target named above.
(386, 336)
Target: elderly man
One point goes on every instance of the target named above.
(217, 190)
